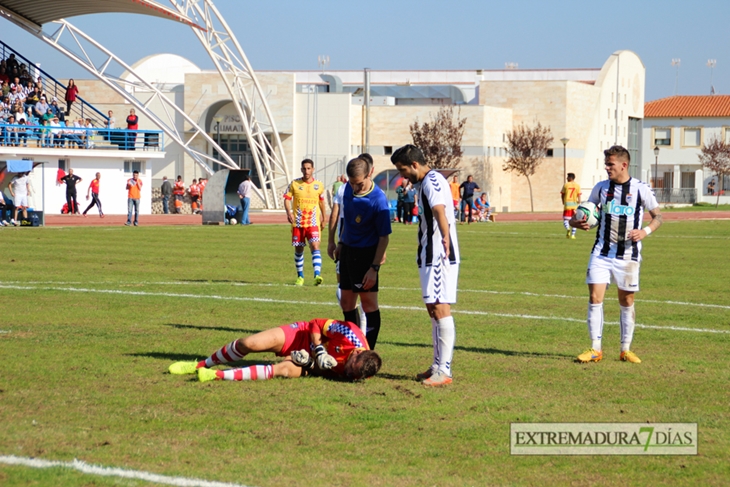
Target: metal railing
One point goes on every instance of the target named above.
(676, 195)
(57, 136)
(54, 88)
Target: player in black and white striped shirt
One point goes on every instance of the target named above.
(438, 257)
(616, 253)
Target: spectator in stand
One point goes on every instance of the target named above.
(41, 108)
(244, 192)
(46, 137)
(166, 191)
(179, 192)
(467, 196)
(89, 134)
(11, 133)
(72, 91)
(132, 124)
(34, 132)
(111, 122)
(15, 83)
(33, 97)
(18, 111)
(194, 191)
(23, 133)
(56, 109)
(11, 62)
(4, 78)
(71, 179)
(57, 135)
(5, 88)
(134, 192)
(93, 192)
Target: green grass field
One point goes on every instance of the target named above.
(92, 317)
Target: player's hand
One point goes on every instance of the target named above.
(637, 235)
(445, 242)
(302, 359)
(325, 361)
(337, 252)
(289, 217)
(331, 247)
(371, 277)
(87, 197)
(582, 224)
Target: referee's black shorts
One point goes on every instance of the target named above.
(354, 264)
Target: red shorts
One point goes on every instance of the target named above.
(300, 236)
(296, 337)
(568, 213)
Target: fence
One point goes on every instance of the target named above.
(676, 195)
(49, 136)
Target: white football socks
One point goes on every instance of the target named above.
(628, 321)
(595, 324)
(435, 342)
(446, 339)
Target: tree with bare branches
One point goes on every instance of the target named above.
(526, 149)
(715, 156)
(440, 139)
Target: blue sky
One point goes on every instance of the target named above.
(428, 34)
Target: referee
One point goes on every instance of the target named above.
(361, 250)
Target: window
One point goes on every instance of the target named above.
(691, 137)
(388, 149)
(63, 164)
(662, 136)
(549, 153)
(131, 166)
(688, 179)
(726, 134)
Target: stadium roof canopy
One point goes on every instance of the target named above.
(35, 13)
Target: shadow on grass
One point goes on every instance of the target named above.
(186, 357)
(494, 351)
(211, 328)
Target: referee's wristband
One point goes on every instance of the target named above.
(647, 229)
(375, 267)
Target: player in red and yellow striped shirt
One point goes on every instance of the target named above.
(320, 346)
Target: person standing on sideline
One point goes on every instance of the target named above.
(467, 197)
(301, 201)
(400, 192)
(166, 190)
(336, 186)
(361, 249)
(20, 191)
(134, 192)
(455, 194)
(72, 91)
(194, 191)
(71, 179)
(616, 255)
(93, 192)
(409, 202)
(132, 124)
(179, 192)
(244, 191)
(438, 258)
(570, 194)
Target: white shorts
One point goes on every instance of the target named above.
(624, 273)
(439, 282)
(20, 200)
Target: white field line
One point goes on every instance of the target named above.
(113, 472)
(333, 304)
(256, 284)
(692, 237)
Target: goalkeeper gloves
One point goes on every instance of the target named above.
(302, 359)
(325, 361)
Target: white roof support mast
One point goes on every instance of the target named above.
(246, 93)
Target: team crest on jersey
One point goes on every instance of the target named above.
(301, 188)
(358, 219)
(338, 349)
(316, 187)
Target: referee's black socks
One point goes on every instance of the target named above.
(373, 329)
(352, 316)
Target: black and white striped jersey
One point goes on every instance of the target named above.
(434, 191)
(622, 210)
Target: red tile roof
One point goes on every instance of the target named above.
(688, 106)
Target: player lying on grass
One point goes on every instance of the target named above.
(321, 346)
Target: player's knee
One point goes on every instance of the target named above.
(287, 369)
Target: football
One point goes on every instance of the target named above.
(233, 221)
(587, 212)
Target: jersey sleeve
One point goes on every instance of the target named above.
(289, 192)
(382, 217)
(649, 198)
(433, 192)
(321, 191)
(595, 196)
